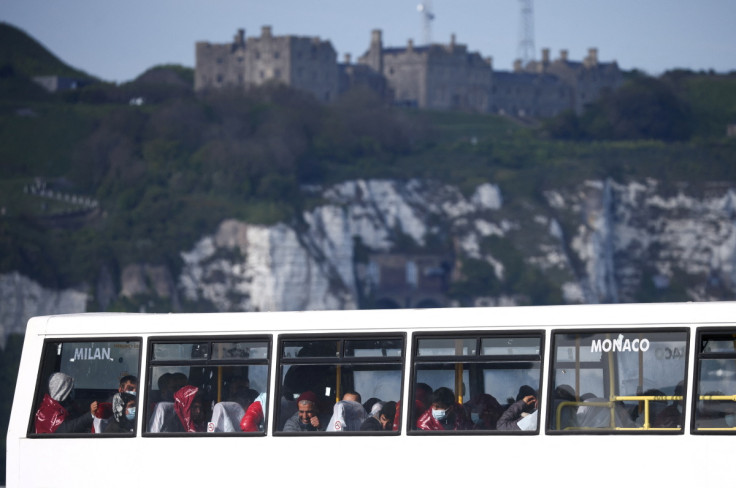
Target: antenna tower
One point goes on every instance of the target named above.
(427, 13)
(526, 32)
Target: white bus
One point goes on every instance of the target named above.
(590, 394)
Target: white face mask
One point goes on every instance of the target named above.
(439, 414)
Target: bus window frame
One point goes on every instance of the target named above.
(477, 358)
(208, 362)
(699, 333)
(37, 396)
(611, 330)
(340, 359)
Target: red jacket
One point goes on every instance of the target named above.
(183, 400)
(50, 416)
(253, 418)
(457, 420)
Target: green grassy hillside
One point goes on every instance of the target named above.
(167, 171)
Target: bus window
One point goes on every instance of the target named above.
(715, 389)
(476, 382)
(207, 385)
(618, 381)
(87, 387)
(346, 384)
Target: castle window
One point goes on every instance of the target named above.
(240, 59)
(276, 55)
(258, 55)
(219, 60)
(261, 75)
(219, 79)
(277, 74)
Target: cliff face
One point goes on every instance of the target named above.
(21, 298)
(599, 242)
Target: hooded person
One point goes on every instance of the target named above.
(123, 413)
(189, 409)
(52, 415)
(254, 416)
(347, 414)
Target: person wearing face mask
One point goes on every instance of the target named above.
(123, 414)
(525, 404)
(484, 411)
(444, 413)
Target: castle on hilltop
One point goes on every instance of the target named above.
(435, 76)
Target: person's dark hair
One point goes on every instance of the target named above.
(425, 388)
(351, 392)
(164, 381)
(389, 410)
(525, 391)
(368, 405)
(443, 396)
(128, 378)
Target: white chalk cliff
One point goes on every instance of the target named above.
(601, 241)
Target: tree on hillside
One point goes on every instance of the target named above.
(644, 108)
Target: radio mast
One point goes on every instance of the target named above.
(526, 32)
(427, 13)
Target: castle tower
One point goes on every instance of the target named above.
(374, 56)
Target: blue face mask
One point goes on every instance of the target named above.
(439, 414)
(475, 417)
(131, 414)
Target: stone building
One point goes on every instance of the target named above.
(305, 63)
(436, 76)
(521, 94)
(441, 77)
(588, 79)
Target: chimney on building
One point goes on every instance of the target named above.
(452, 42)
(545, 55)
(347, 58)
(517, 66)
(376, 37)
(239, 39)
(410, 45)
(563, 55)
(592, 59)
(266, 31)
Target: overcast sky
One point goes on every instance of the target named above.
(118, 41)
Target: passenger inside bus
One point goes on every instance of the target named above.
(307, 418)
(53, 415)
(105, 410)
(672, 415)
(444, 413)
(381, 418)
(254, 418)
(484, 411)
(422, 401)
(347, 414)
(123, 414)
(190, 408)
(163, 415)
(715, 414)
(525, 405)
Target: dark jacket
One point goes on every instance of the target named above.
(511, 416)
